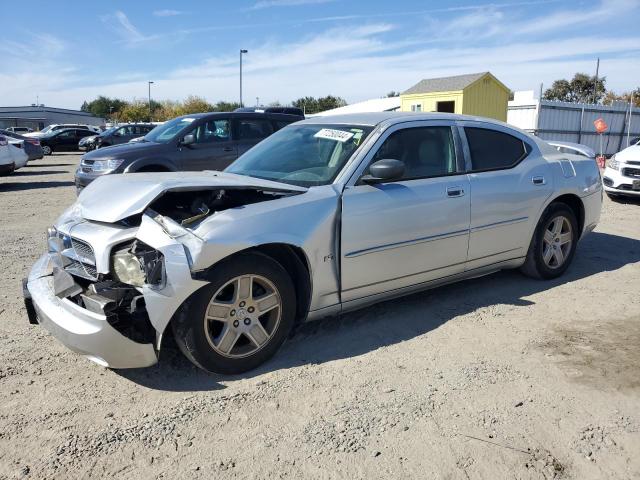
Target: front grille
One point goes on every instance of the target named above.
(82, 260)
(633, 163)
(631, 172)
(83, 270)
(83, 249)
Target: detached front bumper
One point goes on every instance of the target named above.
(81, 330)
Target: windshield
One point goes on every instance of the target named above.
(46, 129)
(167, 131)
(304, 155)
(108, 131)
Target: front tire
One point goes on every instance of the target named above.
(241, 318)
(554, 243)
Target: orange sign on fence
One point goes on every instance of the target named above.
(601, 125)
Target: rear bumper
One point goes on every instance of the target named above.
(80, 330)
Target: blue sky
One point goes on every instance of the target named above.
(66, 52)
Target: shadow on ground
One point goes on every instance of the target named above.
(397, 320)
(18, 186)
(28, 173)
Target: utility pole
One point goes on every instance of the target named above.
(541, 88)
(629, 121)
(257, 101)
(149, 100)
(595, 84)
(241, 52)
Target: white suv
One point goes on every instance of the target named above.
(622, 175)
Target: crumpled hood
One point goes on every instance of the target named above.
(114, 197)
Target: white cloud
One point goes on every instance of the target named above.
(120, 23)
(168, 13)
(286, 3)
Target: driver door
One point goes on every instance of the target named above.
(214, 148)
(411, 230)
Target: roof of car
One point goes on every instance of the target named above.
(239, 114)
(375, 118)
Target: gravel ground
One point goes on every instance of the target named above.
(498, 377)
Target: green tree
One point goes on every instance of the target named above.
(623, 97)
(103, 106)
(312, 105)
(194, 104)
(580, 89)
(136, 111)
(223, 106)
(392, 93)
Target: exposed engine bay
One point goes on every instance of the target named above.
(187, 207)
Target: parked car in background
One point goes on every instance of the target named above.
(21, 159)
(52, 128)
(622, 174)
(287, 110)
(63, 140)
(122, 134)
(86, 144)
(573, 148)
(11, 157)
(325, 216)
(204, 141)
(31, 145)
(19, 129)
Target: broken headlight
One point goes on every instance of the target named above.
(138, 264)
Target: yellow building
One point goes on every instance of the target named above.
(479, 94)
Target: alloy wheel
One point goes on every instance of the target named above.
(242, 316)
(556, 243)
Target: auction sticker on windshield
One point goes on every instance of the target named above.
(331, 134)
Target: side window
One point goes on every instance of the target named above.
(279, 124)
(66, 134)
(253, 129)
(212, 131)
(491, 150)
(425, 151)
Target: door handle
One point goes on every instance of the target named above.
(538, 180)
(227, 149)
(456, 191)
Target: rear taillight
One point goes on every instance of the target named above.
(19, 145)
(34, 142)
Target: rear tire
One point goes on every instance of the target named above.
(47, 150)
(553, 244)
(241, 318)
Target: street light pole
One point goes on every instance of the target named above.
(149, 100)
(241, 52)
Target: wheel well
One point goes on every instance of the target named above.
(575, 204)
(295, 263)
(153, 168)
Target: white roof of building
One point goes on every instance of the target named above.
(388, 104)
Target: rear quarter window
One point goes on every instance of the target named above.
(493, 150)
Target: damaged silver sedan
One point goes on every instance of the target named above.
(325, 216)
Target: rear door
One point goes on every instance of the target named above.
(250, 131)
(510, 181)
(65, 141)
(412, 230)
(214, 149)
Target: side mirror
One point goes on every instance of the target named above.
(384, 170)
(188, 139)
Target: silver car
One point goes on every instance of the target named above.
(326, 216)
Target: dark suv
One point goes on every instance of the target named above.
(203, 141)
(63, 140)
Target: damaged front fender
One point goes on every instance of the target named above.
(164, 300)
